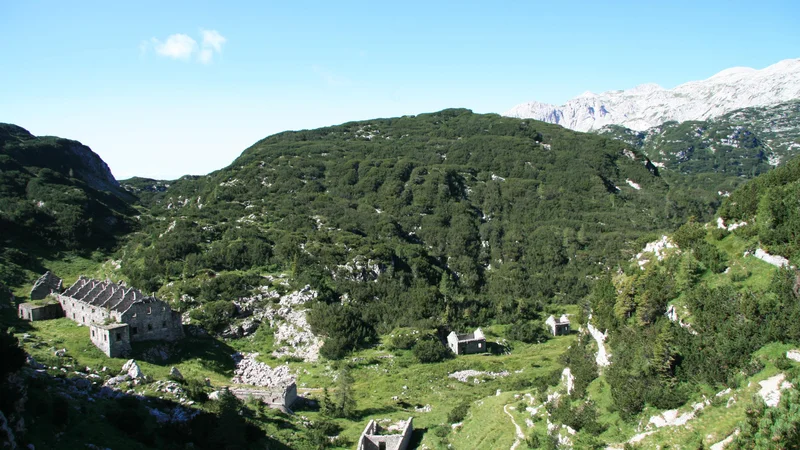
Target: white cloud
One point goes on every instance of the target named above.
(212, 38)
(182, 46)
(177, 46)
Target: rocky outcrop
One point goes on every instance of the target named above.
(603, 357)
(67, 157)
(132, 369)
(293, 335)
(771, 389)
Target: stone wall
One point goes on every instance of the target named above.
(274, 397)
(452, 342)
(152, 320)
(33, 312)
(372, 439)
(470, 347)
(112, 339)
(84, 313)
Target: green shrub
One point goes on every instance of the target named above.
(214, 316)
(431, 350)
(529, 332)
(458, 413)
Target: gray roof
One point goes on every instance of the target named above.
(106, 294)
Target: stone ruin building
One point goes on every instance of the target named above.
(396, 437)
(38, 308)
(558, 326)
(465, 344)
(46, 285)
(115, 314)
(281, 398)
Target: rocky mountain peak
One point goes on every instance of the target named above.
(649, 105)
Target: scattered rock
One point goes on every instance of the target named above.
(113, 381)
(60, 353)
(775, 260)
(132, 369)
(464, 375)
(723, 443)
(673, 418)
(34, 364)
(794, 355)
(175, 373)
(250, 371)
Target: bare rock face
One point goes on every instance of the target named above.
(45, 285)
(650, 105)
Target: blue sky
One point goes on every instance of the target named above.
(163, 89)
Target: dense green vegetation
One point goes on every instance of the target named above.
(55, 195)
(771, 205)
(719, 154)
(460, 219)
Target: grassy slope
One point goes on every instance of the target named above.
(379, 375)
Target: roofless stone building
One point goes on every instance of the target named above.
(116, 315)
(396, 437)
(558, 326)
(465, 344)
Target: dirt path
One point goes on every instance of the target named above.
(520, 434)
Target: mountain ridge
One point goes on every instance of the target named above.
(649, 105)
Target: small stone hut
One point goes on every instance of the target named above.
(396, 437)
(465, 344)
(34, 311)
(46, 284)
(558, 326)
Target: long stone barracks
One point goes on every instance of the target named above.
(118, 315)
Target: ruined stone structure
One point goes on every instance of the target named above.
(375, 437)
(46, 284)
(137, 317)
(116, 315)
(35, 311)
(275, 397)
(112, 339)
(465, 344)
(558, 326)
